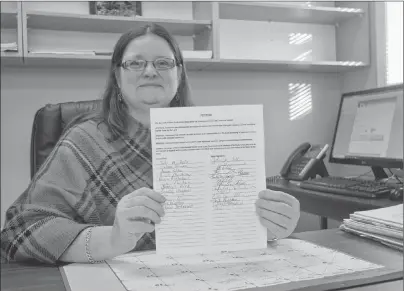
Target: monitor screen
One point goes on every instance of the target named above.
(369, 128)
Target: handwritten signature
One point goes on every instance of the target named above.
(222, 158)
(177, 204)
(164, 161)
(231, 184)
(218, 203)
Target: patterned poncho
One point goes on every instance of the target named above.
(78, 186)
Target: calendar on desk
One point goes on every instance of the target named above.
(281, 265)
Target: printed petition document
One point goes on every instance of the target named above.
(209, 162)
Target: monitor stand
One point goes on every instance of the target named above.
(379, 173)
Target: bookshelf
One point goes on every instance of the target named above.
(9, 19)
(109, 24)
(11, 32)
(201, 32)
(95, 62)
(280, 66)
(195, 64)
(286, 13)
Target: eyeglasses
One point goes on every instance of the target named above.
(160, 64)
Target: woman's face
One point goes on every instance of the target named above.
(144, 88)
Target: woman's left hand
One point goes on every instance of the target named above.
(278, 212)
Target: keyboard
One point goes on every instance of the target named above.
(348, 187)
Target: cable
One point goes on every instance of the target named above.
(361, 175)
(364, 174)
(395, 176)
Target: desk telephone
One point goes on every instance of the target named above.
(305, 162)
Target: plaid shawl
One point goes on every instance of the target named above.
(79, 185)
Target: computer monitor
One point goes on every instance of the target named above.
(369, 129)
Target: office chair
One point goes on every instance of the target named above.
(49, 123)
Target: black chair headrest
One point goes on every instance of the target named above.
(49, 123)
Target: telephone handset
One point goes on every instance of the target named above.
(305, 162)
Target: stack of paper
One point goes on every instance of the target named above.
(384, 225)
(9, 47)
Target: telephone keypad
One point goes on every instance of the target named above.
(299, 165)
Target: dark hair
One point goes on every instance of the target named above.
(113, 112)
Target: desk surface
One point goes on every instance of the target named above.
(329, 205)
(35, 277)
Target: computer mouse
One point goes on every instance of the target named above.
(396, 193)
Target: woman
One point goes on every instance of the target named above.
(92, 198)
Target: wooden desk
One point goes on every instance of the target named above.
(327, 205)
(34, 277)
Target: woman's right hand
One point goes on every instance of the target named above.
(136, 214)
